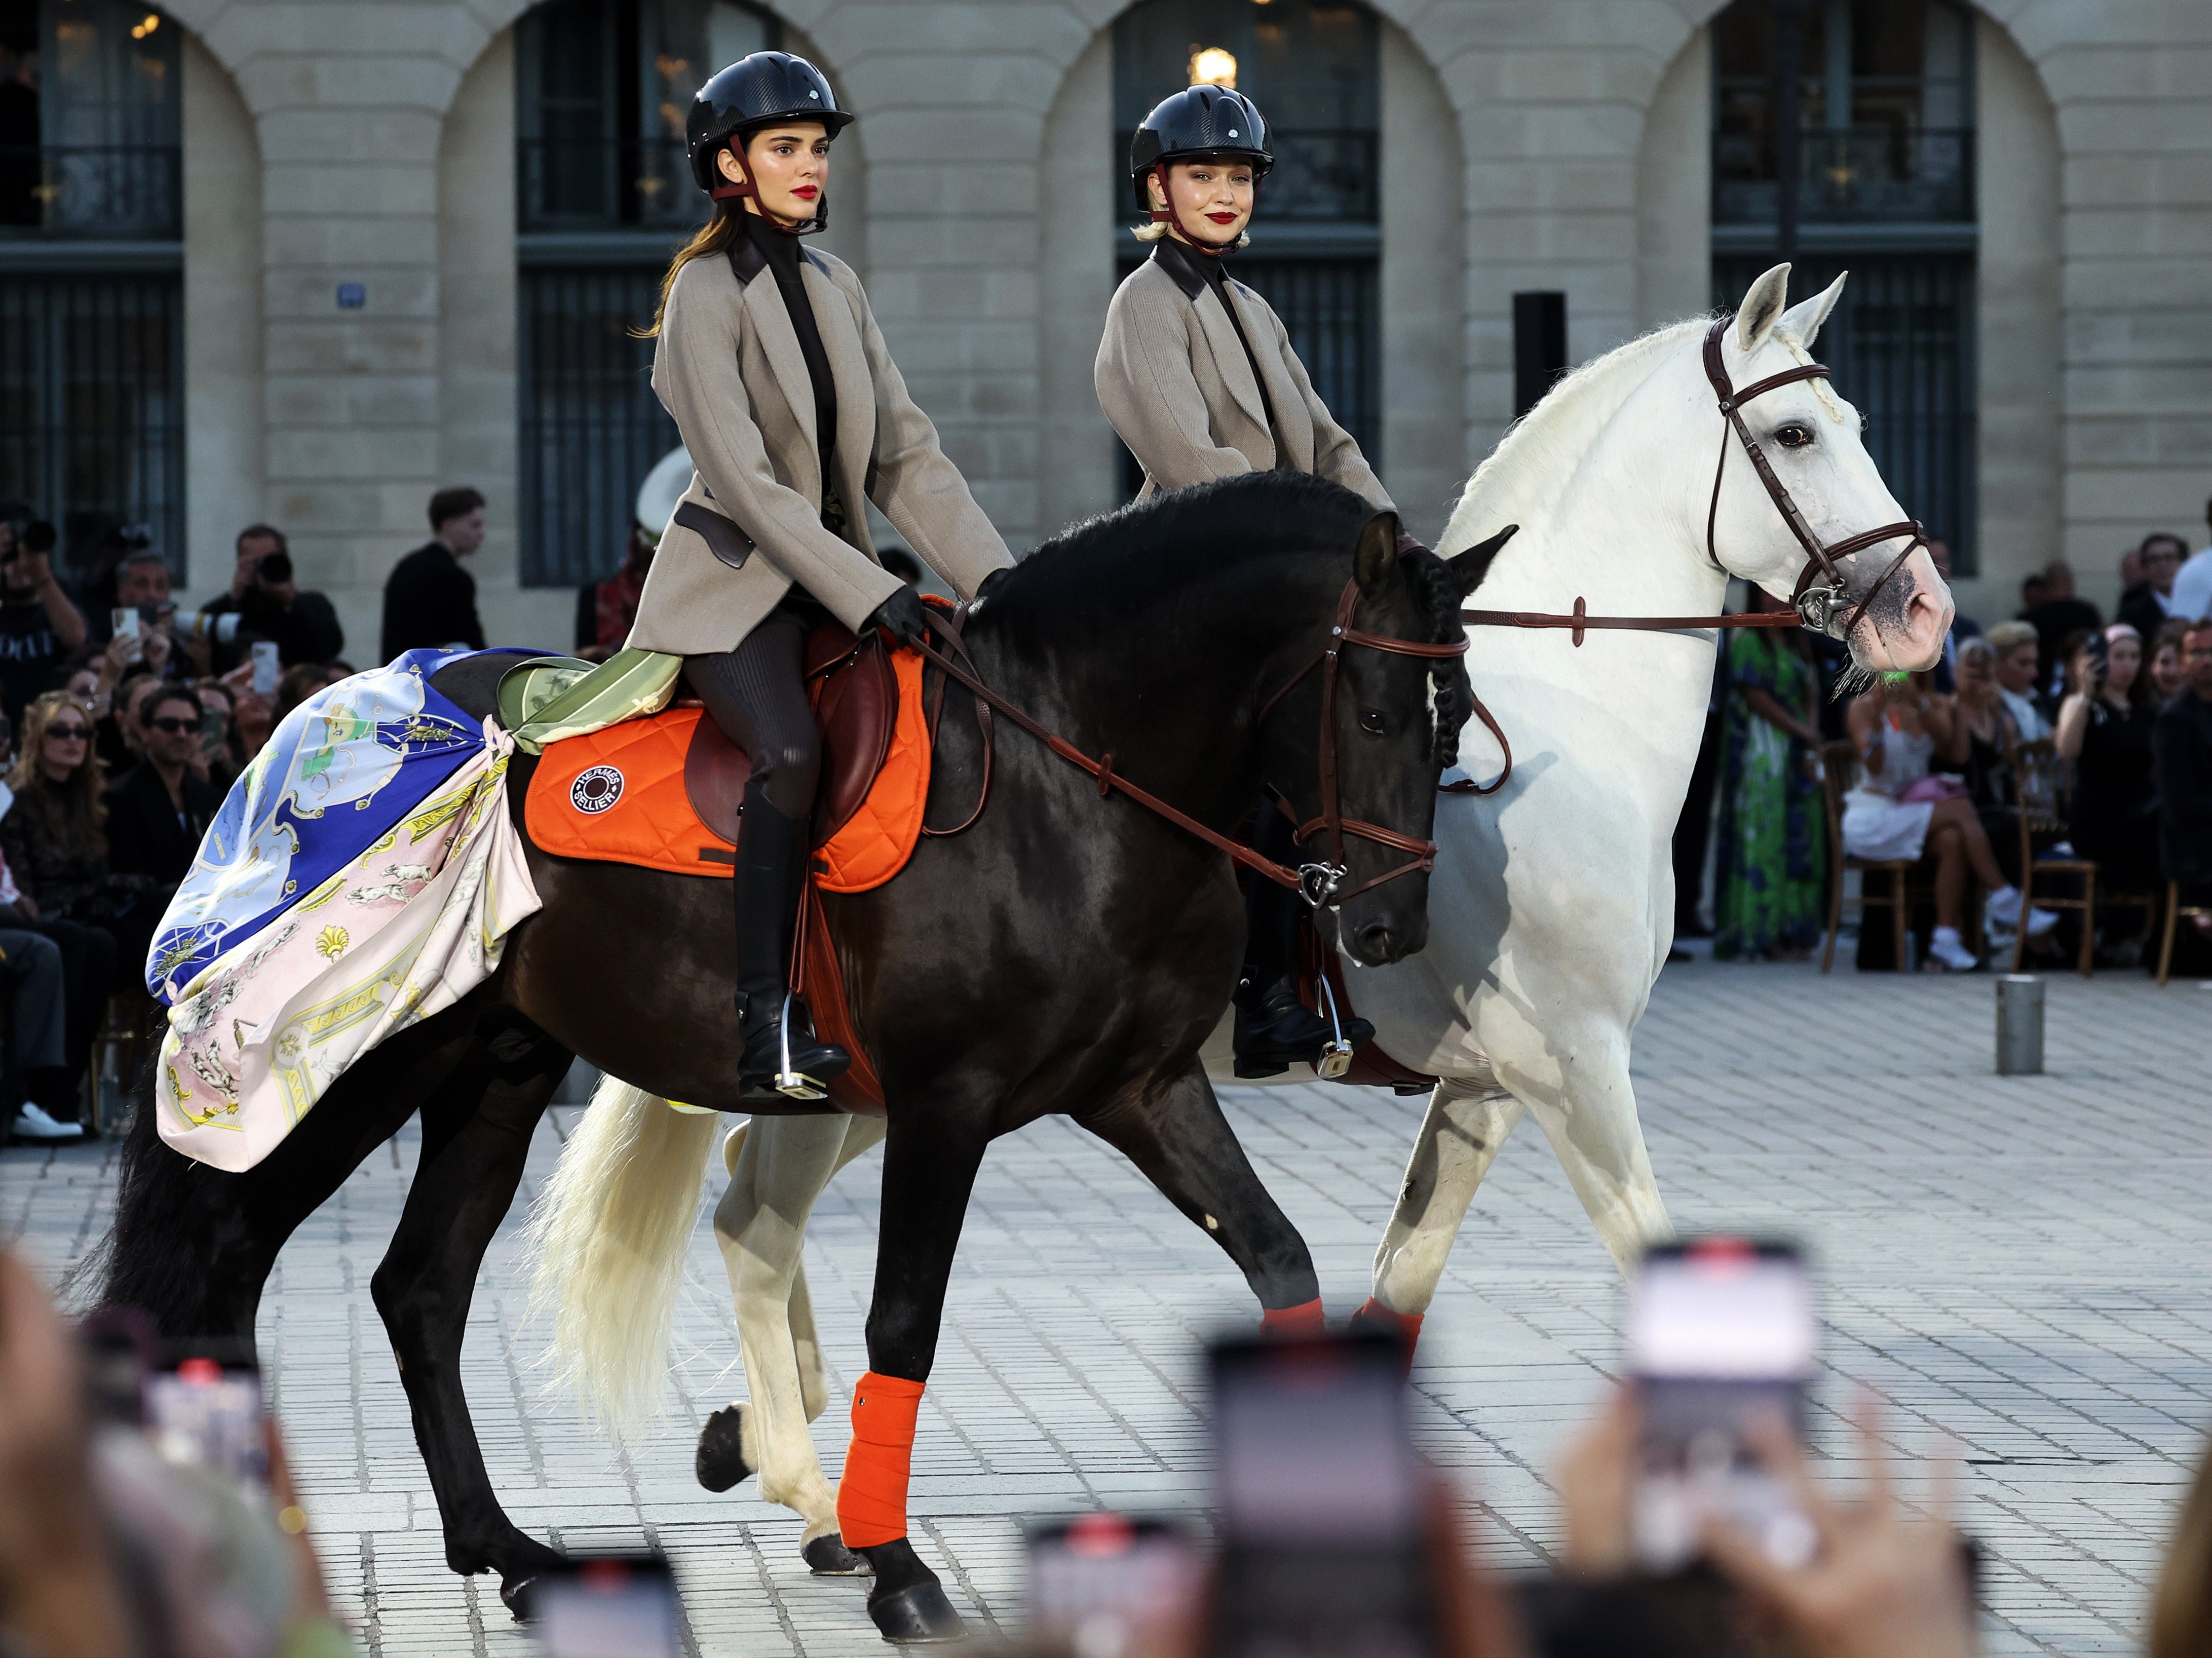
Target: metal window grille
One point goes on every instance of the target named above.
(591, 428)
(1901, 344)
(92, 430)
(1331, 310)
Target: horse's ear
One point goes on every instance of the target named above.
(1469, 567)
(1762, 308)
(1804, 320)
(1377, 555)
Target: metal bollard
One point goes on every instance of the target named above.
(2020, 1025)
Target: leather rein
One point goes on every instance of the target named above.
(1320, 884)
(1811, 606)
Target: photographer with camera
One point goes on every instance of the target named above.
(39, 623)
(268, 604)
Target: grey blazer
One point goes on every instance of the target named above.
(728, 368)
(1177, 385)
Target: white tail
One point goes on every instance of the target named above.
(610, 1232)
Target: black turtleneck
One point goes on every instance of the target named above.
(782, 254)
(1190, 268)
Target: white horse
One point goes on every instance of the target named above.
(1553, 901)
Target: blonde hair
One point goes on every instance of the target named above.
(1152, 233)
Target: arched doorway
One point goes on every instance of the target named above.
(1314, 67)
(1885, 189)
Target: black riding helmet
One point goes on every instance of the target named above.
(753, 92)
(1204, 120)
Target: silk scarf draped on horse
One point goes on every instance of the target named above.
(363, 874)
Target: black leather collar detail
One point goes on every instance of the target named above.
(1182, 264)
(747, 261)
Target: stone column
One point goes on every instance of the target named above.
(348, 100)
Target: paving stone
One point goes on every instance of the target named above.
(2012, 1267)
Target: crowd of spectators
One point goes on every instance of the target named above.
(2125, 707)
(126, 722)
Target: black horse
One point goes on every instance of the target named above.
(1065, 954)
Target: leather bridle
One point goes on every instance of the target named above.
(1320, 885)
(1811, 606)
(1816, 606)
(1341, 633)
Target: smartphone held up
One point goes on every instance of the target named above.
(1721, 1336)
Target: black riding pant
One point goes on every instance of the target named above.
(1271, 912)
(757, 694)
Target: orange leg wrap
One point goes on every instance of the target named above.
(872, 1494)
(1408, 1325)
(1303, 1319)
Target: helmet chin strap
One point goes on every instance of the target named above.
(742, 186)
(1167, 215)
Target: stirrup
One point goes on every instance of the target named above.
(788, 1082)
(1336, 1057)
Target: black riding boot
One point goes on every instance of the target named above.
(772, 855)
(1275, 1028)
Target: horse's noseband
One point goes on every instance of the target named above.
(1323, 883)
(1817, 607)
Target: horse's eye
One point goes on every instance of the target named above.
(1795, 435)
(1371, 722)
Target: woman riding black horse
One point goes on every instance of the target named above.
(771, 364)
(1197, 375)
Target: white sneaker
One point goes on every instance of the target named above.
(2002, 908)
(1944, 946)
(32, 1124)
(2040, 921)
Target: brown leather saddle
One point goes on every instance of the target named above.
(855, 693)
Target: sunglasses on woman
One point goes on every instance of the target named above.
(70, 733)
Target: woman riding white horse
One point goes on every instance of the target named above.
(795, 415)
(1196, 372)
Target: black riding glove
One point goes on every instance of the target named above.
(905, 616)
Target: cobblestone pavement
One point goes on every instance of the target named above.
(2018, 1264)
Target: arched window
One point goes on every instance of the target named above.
(604, 195)
(1314, 69)
(1884, 180)
(91, 289)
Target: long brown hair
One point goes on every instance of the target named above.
(72, 806)
(714, 237)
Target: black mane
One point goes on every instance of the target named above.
(1097, 573)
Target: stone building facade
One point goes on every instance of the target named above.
(353, 282)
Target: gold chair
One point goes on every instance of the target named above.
(1839, 769)
(2175, 909)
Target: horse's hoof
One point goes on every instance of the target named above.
(721, 1462)
(828, 1557)
(916, 1615)
(519, 1595)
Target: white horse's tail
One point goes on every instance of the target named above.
(610, 1232)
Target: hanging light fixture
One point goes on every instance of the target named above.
(1210, 66)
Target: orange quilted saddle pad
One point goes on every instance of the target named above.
(618, 796)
